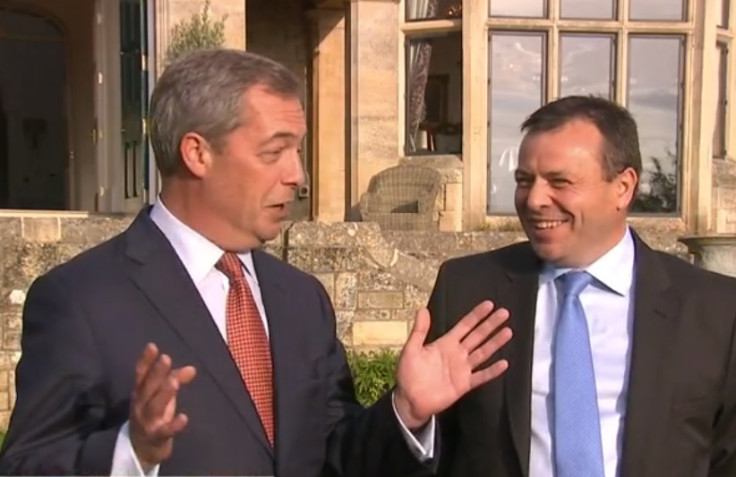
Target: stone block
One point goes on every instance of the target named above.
(10, 229)
(376, 280)
(11, 339)
(372, 315)
(11, 320)
(23, 262)
(379, 333)
(93, 229)
(345, 321)
(345, 291)
(4, 419)
(454, 197)
(405, 314)
(4, 380)
(41, 229)
(381, 300)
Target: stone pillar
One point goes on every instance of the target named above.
(329, 154)
(713, 252)
(374, 91)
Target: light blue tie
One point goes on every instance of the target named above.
(577, 430)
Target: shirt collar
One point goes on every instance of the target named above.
(197, 253)
(614, 270)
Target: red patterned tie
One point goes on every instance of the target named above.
(248, 342)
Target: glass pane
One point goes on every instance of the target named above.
(723, 13)
(434, 95)
(655, 88)
(666, 10)
(719, 133)
(426, 9)
(519, 8)
(598, 9)
(516, 90)
(586, 65)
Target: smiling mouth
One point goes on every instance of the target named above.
(547, 224)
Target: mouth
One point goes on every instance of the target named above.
(547, 224)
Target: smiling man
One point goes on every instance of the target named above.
(623, 360)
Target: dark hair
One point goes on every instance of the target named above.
(202, 92)
(618, 128)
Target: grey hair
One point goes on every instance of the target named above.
(202, 92)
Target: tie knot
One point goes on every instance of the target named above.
(231, 266)
(572, 283)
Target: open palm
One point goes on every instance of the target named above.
(432, 377)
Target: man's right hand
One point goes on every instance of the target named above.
(153, 418)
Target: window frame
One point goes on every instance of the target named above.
(476, 25)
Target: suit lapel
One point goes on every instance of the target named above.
(521, 289)
(286, 340)
(656, 317)
(157, 271)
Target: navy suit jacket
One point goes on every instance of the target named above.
(86, 322)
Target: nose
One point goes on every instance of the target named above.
(294, 170)
(537, 196)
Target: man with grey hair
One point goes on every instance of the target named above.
(178, 347)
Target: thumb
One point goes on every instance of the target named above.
(419, 330)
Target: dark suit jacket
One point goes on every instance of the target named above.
(86, 323)
(681, 406)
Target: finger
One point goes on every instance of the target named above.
(185, 374)
(471, 320)
(485, 329)
(148, 357)
(489, 348)
(484, 375)
(156, 377)
(419, 330)
(155, 407)
(167, 430)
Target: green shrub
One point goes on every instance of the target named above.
(374, 373)
(199, 32)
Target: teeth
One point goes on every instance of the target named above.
(549, 224)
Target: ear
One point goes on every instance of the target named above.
(196, 154)
(626, 183)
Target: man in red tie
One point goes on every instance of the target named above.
(241, 372)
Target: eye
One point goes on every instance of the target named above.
(559, 183)
(523, 181)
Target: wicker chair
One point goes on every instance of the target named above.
(402, 198)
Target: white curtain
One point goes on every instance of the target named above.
(417, 68)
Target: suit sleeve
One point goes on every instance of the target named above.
(58, 423)
(723, 458)
(363, 442)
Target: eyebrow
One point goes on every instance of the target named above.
(279, 135)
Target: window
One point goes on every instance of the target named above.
(434, 77)
(540, 50)
(719, 132)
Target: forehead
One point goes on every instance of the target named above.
(270, 113)
(575, 144)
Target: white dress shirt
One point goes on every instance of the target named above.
(199, 257)
(608, 305)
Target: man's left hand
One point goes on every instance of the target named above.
(432, 377)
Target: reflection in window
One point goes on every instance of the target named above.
(433, 9)
(665, 10)
(586, 65)
(588, 9)
(516, 90)
(434, 95)
(719, 133)
(519, 8)
(655, 86)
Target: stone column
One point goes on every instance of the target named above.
(713, 252)
(329, 155)
(374, 91)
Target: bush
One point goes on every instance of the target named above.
(374, 373)
(199, 32)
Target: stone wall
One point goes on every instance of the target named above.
(376, 279)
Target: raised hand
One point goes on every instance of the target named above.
(430, 378)
(153, 419)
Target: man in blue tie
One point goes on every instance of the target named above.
(623, 362)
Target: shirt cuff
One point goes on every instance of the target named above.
(421, 442)
(124, 460)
